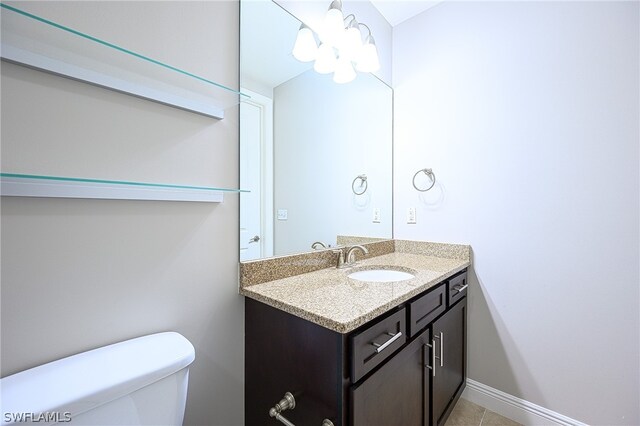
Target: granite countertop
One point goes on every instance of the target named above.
(329, 298)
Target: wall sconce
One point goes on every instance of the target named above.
(341, 46)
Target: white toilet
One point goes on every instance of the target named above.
(141, 381)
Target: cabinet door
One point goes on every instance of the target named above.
(398, 393)
(449, 333)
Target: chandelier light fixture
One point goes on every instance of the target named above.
(341, 47)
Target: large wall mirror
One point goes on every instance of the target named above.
(306, 145)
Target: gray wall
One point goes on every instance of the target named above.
(79, 274)
(528, 113)
(334, 139)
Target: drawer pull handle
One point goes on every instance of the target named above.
(381, 347)
(460, 289)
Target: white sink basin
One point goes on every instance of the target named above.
(381, 275)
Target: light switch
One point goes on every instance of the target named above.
(376, 215)
(411, 215)
(282, 214)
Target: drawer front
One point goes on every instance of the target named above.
(457, 288)
(425, 309)
(376, 343)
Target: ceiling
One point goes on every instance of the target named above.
(397, 11)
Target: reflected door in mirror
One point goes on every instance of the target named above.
(256, 229)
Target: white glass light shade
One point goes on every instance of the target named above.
(333, 25)
(344, 71)
(368, 58)
(305, 49)
(351, 42)
(325, 59)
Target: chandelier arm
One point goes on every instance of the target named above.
(366, 26)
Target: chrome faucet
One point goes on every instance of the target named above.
(318, 244)
(351, 255)
(348, 259)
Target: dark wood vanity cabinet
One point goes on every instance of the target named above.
(449, 340)
(404, 368)
(398, 393)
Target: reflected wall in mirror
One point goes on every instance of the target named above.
(304, 140)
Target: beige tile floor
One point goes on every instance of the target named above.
(467, 413)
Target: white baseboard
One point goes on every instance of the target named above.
(524, 412)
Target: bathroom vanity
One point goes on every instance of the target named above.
(356, 352)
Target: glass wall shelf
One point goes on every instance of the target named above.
(45, 45)
(23, 185)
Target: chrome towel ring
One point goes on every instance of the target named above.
(363, 183)
(427, 172)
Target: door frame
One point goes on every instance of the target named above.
(265, 105)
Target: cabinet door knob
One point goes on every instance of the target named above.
(255, 239)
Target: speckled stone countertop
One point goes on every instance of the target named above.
(329, 298)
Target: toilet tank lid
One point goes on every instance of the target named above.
(84, 381)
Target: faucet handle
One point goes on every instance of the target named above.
(340, 253)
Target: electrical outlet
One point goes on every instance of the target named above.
(376, 215)
(282, 214)
(411, 215)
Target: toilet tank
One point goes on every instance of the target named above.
(142, 381)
